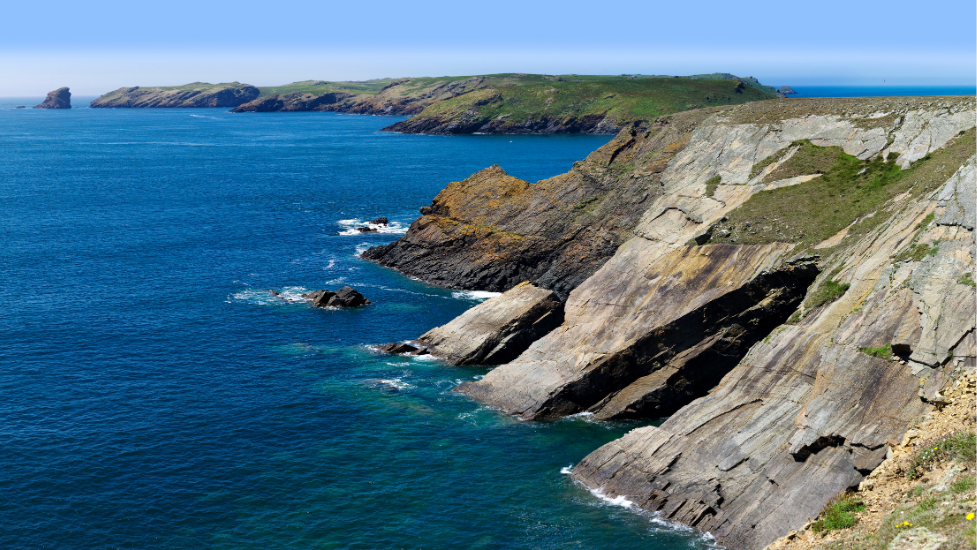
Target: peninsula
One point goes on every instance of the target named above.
(502, 103)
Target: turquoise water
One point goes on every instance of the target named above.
(154, 394)
(881, 91)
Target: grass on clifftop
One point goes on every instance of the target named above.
(847, 191)
(319, 87)
(623, 100)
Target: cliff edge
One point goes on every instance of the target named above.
(793, 279)
(197, 94)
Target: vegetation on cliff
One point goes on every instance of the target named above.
(196, 94)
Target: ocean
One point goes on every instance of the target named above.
(156, 395)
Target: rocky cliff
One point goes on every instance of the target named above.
(58, 99)
(795, 283)
(198, 94)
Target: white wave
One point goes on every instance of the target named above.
(330, 264)
(396, 383)
(427, 357)
(361, 248)
(261, 297)
(480, 295)
(619, 500)
(349, 227)
(566, 470)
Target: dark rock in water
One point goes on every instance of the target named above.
(58, 99)
(367, 229)
(398, 348)
(344, 297)
(275, 292)
(786, 90)
(21, 107)
(380, 221)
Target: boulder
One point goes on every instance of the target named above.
(380, 221)
(497, 330)
(367, 229)
(342, 298)
(58, 99)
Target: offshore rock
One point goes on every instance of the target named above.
(343, 298)
(497, 330)
(58, 99)
(198, 94)
(493, 231)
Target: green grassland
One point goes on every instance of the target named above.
(621, 99)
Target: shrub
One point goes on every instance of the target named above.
(839, 513)
(711, 185)
(884, 352)
(827, 292)
(956, 445)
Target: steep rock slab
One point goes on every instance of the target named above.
(631, 322)
(58, 99)
(813, 408)
(493, 231)
(497, 330)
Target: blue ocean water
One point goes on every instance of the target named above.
(155, 394)
(881, 91)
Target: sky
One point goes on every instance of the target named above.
(98, 47)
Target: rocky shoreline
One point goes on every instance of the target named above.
(791, 281)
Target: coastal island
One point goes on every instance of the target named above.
(58, 99)
(790, 282)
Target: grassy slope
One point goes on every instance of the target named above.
(621, 98)
(318, 87)
(815, 210)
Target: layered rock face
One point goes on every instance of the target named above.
(803, 409)
(58, 99)
(497, 330)
(493, 231)
(198, 94)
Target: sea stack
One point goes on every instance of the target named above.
(58, 99)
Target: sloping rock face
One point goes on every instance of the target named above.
(493, 231)
(645, 341)
(812, 407)
(471, 121)
(58, 99)
(497, 330)
(291, 102)
(192, 95)
(803, 409)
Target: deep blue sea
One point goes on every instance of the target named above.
(155, 395)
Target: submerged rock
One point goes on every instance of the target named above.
(21, 107)
(58, 99)
(497, 330)
(344, 297)
(401, 348)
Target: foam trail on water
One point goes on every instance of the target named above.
(567, 470)
(480, 295)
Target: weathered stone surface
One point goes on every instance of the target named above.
(638, 329)
(493, 231)
(58, 99)
(402, 348)
(497, 330)
(198, 94)
(806, 414)
(344, 297)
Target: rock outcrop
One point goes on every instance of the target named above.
(198, 94)
(786, 90)
(497, 330)
(342, 298)
(493, 231)
(857, 215)
(58, 99)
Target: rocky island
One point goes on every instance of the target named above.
(58, 99)
(791, 282)
(510, 103)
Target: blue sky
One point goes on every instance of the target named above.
(97, 47)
